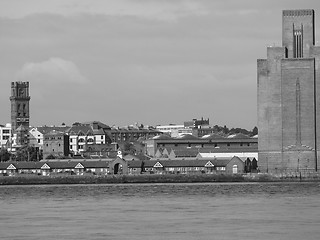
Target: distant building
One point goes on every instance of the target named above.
(55, 143)
(5, 134)
(196, 127)
(36, 134)
(168, 129)
(83, 136)
(182, 131)
(132, 133)
(196, 123)
(119, 166)
(20, 137)
(238, 143)
(20, 98)
(289, 99)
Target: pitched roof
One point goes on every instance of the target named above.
(213, 136)
(21, 165)
(76, 129)
(22, 128)
(96, 125)
(187, 137)
(219, 162)
(46, 129)
(185, 152)
(229, 154)
(130, 157)
(162, 137)
(238, 136)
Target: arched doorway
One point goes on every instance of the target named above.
(235, 169)
(118, 166)
(118, 169)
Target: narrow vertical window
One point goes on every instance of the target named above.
(298, 43)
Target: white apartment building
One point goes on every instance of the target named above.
(169, 129)
(5, 133)
(82, 135)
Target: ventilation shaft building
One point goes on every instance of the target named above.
(289, 98)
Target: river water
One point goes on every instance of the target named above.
(161, 211)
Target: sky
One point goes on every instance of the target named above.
(151, 62)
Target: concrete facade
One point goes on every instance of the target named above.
(288, 103)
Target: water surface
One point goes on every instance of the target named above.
(161, 211)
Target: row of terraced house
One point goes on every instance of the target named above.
(232, 165)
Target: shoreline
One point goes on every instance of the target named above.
(166, 178)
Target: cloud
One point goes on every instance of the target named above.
(150, 9)
(54, 69)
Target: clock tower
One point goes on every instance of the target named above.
(19, 98)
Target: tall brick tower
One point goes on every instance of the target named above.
(19, 105)
(289, 98)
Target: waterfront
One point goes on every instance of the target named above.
(161, 211)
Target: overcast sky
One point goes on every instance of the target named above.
(139, 61)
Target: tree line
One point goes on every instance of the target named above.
(224, 130)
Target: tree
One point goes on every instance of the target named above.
(128, 148)
(225, 129)
(4, 155)
(254, 131)
(27, 153)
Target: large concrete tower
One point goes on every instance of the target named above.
(19, 105)
(289, 99)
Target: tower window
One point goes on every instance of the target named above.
(297, 43)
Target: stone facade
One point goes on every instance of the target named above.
(20, 113)
(55, 143)
(288, 106)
